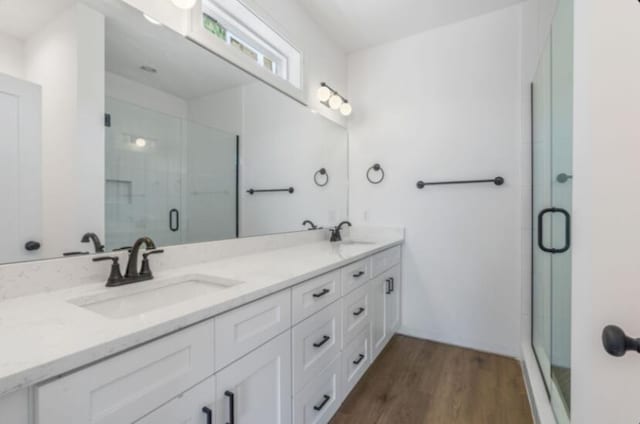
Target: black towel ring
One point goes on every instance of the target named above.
(376, 167)
(321, 171)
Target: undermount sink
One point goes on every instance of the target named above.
(125, 302)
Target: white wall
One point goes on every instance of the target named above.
(442, 105)
(66, 57)
(11, 56)
(282, 144)
(606, 209)
(221, 110)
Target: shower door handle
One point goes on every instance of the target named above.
(174, 220)
(567, 230)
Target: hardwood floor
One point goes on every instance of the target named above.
(420, 382)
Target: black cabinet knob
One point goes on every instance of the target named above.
(617, 343)
(32, 245)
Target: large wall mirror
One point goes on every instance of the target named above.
(113, 127)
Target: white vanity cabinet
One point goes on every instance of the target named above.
(195, 406)
(385, 300)
(287, 358)
(126, 387)
(385, 297)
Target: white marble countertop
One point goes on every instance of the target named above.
(44, 335)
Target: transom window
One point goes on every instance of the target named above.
(240, 28)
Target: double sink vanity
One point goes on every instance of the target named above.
(272, 335)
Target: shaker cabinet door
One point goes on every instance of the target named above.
(257, 388)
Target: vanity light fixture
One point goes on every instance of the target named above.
(184, 4)
(332, 99)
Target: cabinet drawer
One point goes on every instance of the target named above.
(186, 408)
(240, 331)
(316, 342)
(313, 295)
(356, 313)
(384, 260)
(317, 402)
(356, 358)
(128, 386)
(355, 275)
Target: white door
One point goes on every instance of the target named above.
(192, 407)
(20, 177)
(257, 388)
(379, 288)
(606, 252)
(392, 301)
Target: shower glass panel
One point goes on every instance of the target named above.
(552, 108)
(168, 178)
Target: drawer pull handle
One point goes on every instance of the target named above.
(322, 293)
(388, 280)
(360, 358)
(209, 413)
(358, 312)
(321, 405)
(320, 343)
(358, 274)
(232, 407)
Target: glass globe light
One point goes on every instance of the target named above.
(324, 93)
(346, 109)
(335, 102)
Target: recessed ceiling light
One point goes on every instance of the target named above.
(150, 19)
(149, 69)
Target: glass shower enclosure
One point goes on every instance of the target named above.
(552, 139)
(167, 177)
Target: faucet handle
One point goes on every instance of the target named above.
(145, 270)
(115, 276)
(145, 255)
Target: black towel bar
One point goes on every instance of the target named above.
(497, 181)
(271, 190)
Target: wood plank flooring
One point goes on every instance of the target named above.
(420, 382)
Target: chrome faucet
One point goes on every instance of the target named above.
(335, 232)
(93, 237)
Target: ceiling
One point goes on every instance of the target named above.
(20, 18)
(183, 68)
(357, 24)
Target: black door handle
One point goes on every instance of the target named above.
(325, 399)
(32, 245)
(360, 358)
(388, 291)
(358, 274)
(321, 342)
(232, 407)
(322, 293)
(616, 343)
(174, 220)
(208, 413)
(358, 312)
(567, 230)
(393, 284)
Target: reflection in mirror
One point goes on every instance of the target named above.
(113, 127)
